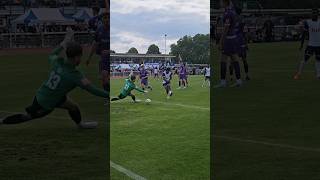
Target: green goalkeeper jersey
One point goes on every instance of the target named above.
(63, 77)
(128, 87)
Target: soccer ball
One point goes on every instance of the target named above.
(148, 101)
(170, 93)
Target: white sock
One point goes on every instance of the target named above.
(301, 66)
(223, 82)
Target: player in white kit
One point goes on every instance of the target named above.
(311, 27)
(206, 73)
(167, 77)
(156, 73)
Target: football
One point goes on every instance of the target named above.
(148, 101)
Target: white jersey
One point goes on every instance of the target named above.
(207, 72)
(313, 28)
(166, 77)
(156, 71)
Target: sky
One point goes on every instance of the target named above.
(140, 23)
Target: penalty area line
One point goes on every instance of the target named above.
(117, 167)
(127, 172)
(285, 146)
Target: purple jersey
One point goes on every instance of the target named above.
(231, 45)
(240, 33)
(182, 70)
(102, 39)
(95, 22)
(143, 74)
(240, 25)
(229, 18)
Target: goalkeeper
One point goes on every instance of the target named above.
(128, 87)
(63, 78)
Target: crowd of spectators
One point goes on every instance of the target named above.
(267, 28)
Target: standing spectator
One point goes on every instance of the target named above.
(268, 27)
(1, 40)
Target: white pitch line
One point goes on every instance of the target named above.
(268, 144)
(165, 103)
(127, 172)
(183, 105)
(119, 168)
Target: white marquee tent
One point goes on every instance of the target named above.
(43, 16)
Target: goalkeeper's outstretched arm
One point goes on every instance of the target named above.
(86, 85)
(54, 55)
(140, 90)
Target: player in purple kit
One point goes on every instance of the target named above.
(96, 20)
(144, 78)
(94, 23)
(101, 46)
(182, 76)
(243, 46)
(229, 45)
(186, 75)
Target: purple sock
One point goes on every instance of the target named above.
(223, 70)
(237, 69)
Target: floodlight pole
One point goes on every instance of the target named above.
(165, 44)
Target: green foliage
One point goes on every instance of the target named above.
(192, 49)
(153, 49)
(133, 50)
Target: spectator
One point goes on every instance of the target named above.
(268, 27)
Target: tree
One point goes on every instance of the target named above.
(112, 51)
(133, 50)
(153, 49)
(192, 49)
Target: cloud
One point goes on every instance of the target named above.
(140, 23)
(122, 41)
(195, 7)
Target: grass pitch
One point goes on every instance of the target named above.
(269, 128)
(167, 139)
(52, 147)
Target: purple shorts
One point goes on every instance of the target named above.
(144, 82)
(242, 52)
(182, 76)
(230, 47)
(105, 63)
